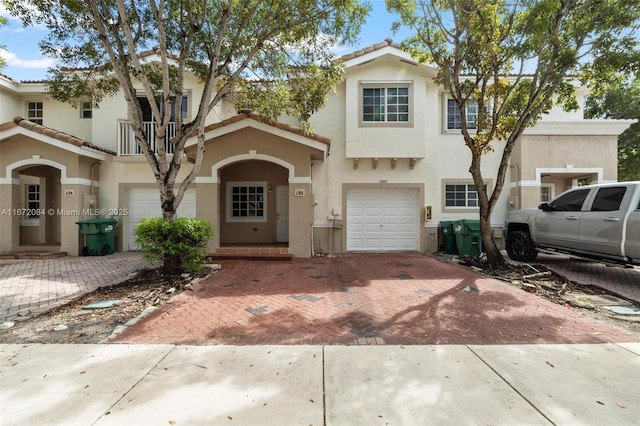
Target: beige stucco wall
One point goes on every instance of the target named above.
(66, 178)
(245, 141)
(233, 157)
(559, 161)
(580, 151)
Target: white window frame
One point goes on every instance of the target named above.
(386, 86)
(549, 186)
(31, 220)
(230, 201)
(467, 183)
(471, 105)
(35, 112)
(86, 110)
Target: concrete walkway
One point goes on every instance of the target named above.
(320, 385)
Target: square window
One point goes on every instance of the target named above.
(463, 196)
(454, 117)
(246, 202)
(385, 104)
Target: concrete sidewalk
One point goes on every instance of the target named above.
(319, 385)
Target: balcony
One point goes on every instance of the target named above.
(127, 145)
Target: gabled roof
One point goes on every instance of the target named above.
(276, 124)
(319, 144)
(387, 48)
(387, 42)
(52, 133)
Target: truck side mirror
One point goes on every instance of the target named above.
(545, 207)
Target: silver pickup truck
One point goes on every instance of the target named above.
(600, 221)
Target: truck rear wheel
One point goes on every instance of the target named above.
(520, 246)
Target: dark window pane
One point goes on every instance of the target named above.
(571, 202)
(608, 199)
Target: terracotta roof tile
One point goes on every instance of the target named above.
(47, 131)
(387, 42)
(276, 124)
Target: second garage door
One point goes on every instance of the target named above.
(382, 220)
(146, 203)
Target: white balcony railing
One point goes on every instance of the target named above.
(127, 144)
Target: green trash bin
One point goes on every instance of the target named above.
(449, 237)
(468, 237)
(99, 235)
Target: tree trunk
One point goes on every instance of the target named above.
(171, 266)
(494, 256)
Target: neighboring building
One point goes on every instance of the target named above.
(390, 164)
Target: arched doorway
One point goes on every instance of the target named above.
(254, 203)
(39, 198)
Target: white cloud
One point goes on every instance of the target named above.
(14, 61)
(3, 11)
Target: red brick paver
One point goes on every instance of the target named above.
(618, 279)
(363, 299)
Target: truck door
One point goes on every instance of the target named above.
(632, 246)
(601, 227)
(559, 224)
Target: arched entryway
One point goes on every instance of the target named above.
(39, 197)
(254, 203)
(268, 165)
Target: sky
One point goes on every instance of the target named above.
(25, 63)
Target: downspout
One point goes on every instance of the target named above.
(518, 194)
(313, 207)
(97, 163)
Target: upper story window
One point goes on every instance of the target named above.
(35, 112)
(147, 113)
(86, 110)
(454, 118)
(386, 104)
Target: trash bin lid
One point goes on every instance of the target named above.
(467, 224)
(98, 221)
(473, 225)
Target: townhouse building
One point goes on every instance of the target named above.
(386, 165)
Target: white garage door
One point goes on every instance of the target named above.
(146, 203)
(382, 220)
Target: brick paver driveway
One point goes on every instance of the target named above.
(30, 287)
(363, 299)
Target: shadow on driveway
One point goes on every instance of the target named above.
(363, 299)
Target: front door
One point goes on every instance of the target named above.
(282, 213)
